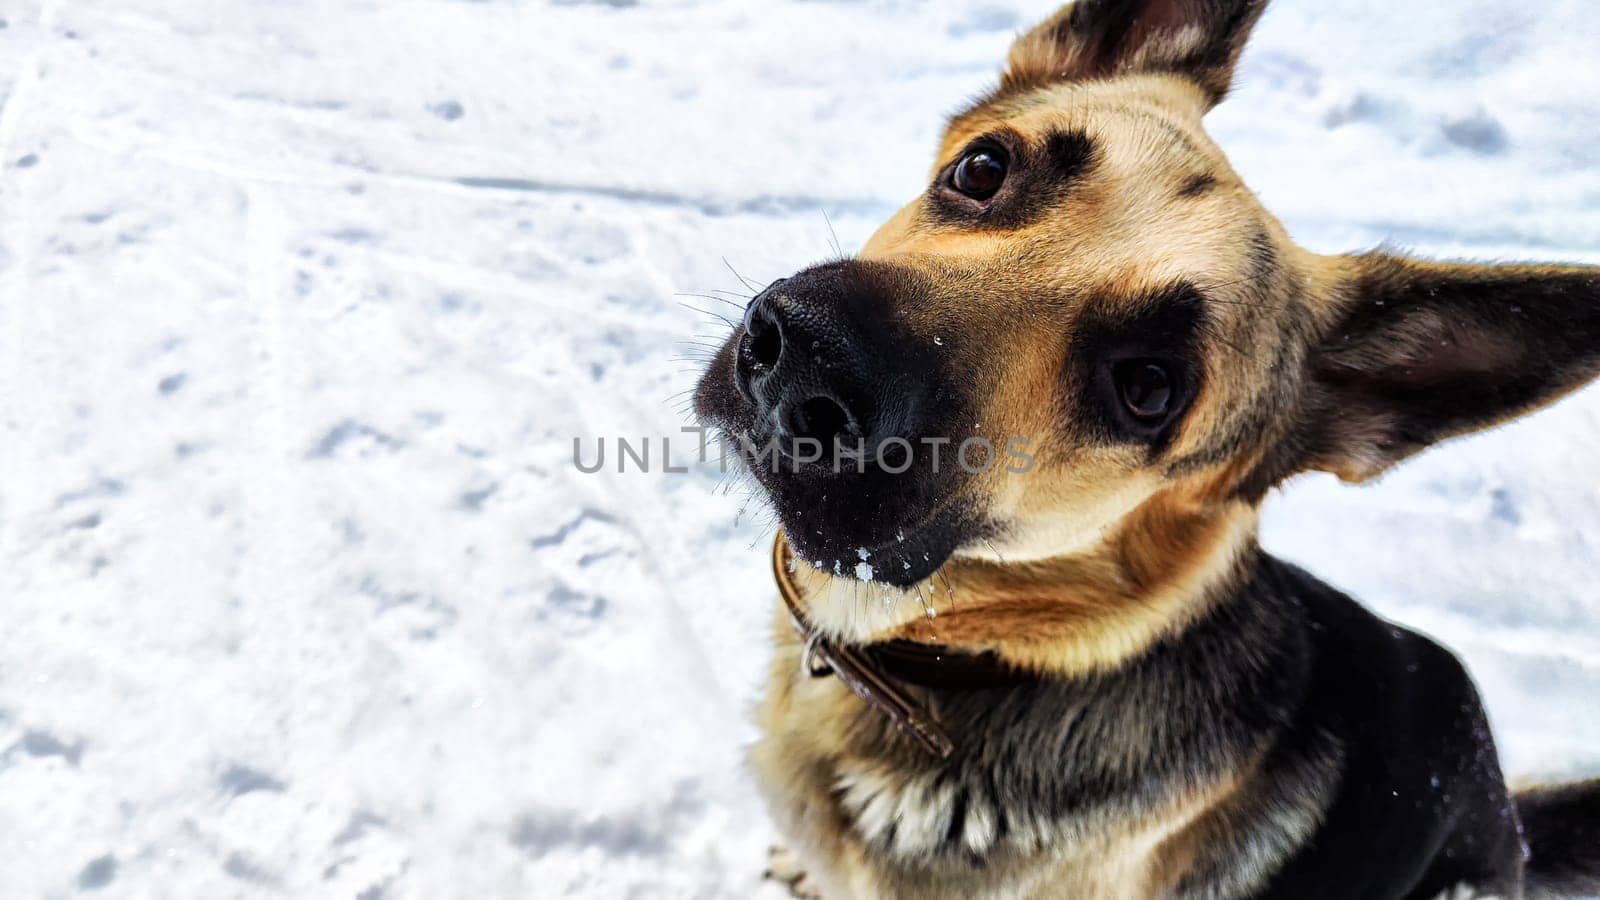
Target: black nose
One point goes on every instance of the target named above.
(818, 360)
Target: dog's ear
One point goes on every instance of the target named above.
(1199, 39)
(1418, 352)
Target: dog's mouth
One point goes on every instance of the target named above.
(849, 519)
(870, 526)
(845, 422)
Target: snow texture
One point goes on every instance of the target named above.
(302, 304)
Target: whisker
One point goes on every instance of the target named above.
(764, 533)
(837, 250)
(927, 609)
(995, 551)
(739, 306)
(949, 591)
(743, 280)
(706, 312)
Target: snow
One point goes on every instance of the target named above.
(302, 305)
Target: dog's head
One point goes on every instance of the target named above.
(1087, 324)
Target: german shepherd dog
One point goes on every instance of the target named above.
(1127, 697)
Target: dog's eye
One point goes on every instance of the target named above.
(980, 173)
(1146, 388)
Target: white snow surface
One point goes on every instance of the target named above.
(302, 304)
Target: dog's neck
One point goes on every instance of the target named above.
(1154, 573)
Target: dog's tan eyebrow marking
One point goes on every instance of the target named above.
(1003, 103)
(1178, 135)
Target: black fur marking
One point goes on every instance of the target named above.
(1264, 263)
(1422, 805)
(1197, 185)
(1170, 327)
(958, 819)
(1069, 153)
(1038, 179)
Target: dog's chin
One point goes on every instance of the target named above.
(873, 548)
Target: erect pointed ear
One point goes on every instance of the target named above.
(1199, 39)
(1419, 352)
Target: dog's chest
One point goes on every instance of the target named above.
(872, 824)
(922, 821)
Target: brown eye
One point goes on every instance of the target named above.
(1146, 389)
(979, 174)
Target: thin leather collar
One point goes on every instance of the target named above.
(872, 671)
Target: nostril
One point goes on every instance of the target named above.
(766, 345)
(763, 343)
(822, 419)
(759, 350)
